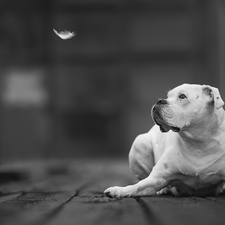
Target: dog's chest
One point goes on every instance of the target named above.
(203, 183)
(199, 180)
(199, 176)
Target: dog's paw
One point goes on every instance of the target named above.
(166, 191)
(114, 192)
(119, 192)
(163, 191)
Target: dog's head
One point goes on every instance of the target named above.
(186, 105)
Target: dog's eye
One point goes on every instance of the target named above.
(182, 96)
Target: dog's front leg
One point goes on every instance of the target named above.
(147, 187)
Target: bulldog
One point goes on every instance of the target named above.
(184, 152)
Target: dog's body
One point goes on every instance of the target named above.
(185, 153)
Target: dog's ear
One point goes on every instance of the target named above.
(214, 95)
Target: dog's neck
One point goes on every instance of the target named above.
(206, 129)
(206, 139)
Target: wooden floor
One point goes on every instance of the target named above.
(71, 192)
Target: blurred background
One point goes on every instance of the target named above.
(91, 95)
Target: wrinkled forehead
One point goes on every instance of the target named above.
(188, 89)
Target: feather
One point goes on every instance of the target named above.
(65, 34)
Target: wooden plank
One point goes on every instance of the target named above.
(218, 199)
(76, 196)
(37, 199)
(98, 209)
(90, 206)
(8, 197)
(189, 210)
(72, 193)
(33, 208)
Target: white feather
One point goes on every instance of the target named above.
(65, 34)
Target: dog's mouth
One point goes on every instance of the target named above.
(164, 126)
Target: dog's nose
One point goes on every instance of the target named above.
(161, 101)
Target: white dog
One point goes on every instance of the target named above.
(185, 153)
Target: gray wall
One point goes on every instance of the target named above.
(100, 85)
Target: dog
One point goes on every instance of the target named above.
(184, 152)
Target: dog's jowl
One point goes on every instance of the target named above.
(184, 153)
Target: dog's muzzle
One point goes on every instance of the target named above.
(158, 118)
